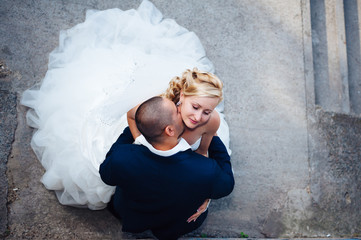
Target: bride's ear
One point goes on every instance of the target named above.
(169, 130)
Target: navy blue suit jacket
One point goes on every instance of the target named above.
(161, 193)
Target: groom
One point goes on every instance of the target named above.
(160, 182)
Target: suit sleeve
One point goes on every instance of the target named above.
(109, 169)
(223, 183)
(124, 138)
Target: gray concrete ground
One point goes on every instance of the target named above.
(263, 53)
(7, 129)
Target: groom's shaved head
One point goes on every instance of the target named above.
(152, 117)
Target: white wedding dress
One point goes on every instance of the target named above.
(102, 68)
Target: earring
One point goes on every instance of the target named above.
(178, 103)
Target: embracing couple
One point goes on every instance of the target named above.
(163, 185)
(170, 160)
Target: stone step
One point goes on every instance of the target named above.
(336, 38)
(330, 55)
(352, 9)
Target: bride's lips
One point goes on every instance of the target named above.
(192, 121)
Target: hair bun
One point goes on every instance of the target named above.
(194, 83)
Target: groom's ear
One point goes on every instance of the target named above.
(169, 130)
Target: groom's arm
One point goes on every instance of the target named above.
(224, 181)
(124, 138)
(111, 168)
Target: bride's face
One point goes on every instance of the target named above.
(196, 111)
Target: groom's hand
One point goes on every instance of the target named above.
(200, 210)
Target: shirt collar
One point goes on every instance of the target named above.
(181, 146)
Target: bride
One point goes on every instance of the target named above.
(101, 69)
(196, 94)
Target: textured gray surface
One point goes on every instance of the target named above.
(336, 174)
(263, 53)
(7, 131)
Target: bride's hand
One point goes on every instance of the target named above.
(200, 210)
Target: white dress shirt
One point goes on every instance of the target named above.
(181, 146)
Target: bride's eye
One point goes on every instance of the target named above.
(195, 107)
(207, 113)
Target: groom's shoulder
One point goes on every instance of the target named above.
(130, 147)
(195, 158)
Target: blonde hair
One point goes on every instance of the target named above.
(194, 83)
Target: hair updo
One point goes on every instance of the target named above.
(194, 83)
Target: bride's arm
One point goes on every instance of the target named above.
(210, 130)
(131, 122)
